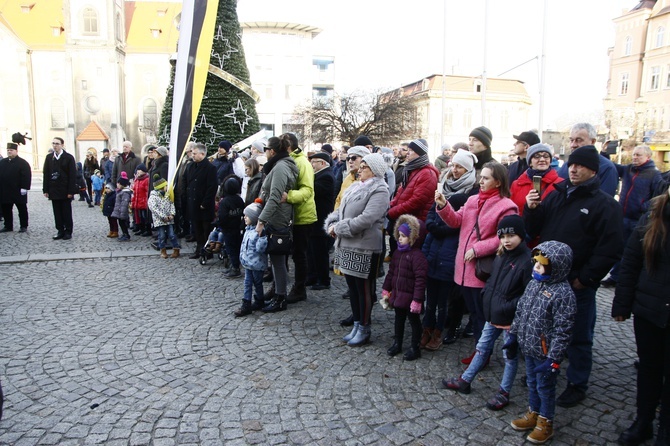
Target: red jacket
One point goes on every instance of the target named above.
(418, 196)
(522, 185)
(140, 192)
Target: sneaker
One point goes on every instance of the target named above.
(124, 238)
(571, 396)
(457, 384)
(608, 283)
(498, 401)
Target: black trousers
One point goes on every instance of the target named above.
(8, 215)
(401, 315)
(653, 374)
(300, 241)
(318, 262)
(202, 228)
(63, 215)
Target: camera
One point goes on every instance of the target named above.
(55, 176)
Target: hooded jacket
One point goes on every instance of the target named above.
(161, 208)
(639, 184)
(302, 195)
(406, 277)
(546, 311)
(231, 207)
(282, 177)
(252, 250)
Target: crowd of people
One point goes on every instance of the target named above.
(520, 248)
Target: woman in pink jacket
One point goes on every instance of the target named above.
(478, 220)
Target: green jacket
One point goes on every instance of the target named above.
(302, 196)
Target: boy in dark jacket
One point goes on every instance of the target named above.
(405, 284)
(229, 221)
(509, 277)
(542, 329)
(108, 202)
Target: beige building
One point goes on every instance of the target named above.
(637, 106)
(507, 110)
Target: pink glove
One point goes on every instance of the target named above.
(415, 307)
(386, 294)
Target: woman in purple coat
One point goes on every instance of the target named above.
(478, 238)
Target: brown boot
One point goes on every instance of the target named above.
(217, 247)
(543, 431)
(435, 341)
(425, 337)
(175, 253)
(527, 422)
(164, 253)
(113, 235)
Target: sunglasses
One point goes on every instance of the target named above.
(352, 158)
(363, 167)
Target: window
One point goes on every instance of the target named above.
(467, 118)
(57, 114)
(623, 85)
(150, 114)
(667, 79)
(119, 28)
(628, 46)
(448, 119)
(90, 18)
(478, 86)
(659, 37)
(655, 78)
(504, 120)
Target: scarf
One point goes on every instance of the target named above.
(404, 247)
(272, 161)
(462, 185)
(360, 188)
(532, 172)
(485, 195)
(415, 164)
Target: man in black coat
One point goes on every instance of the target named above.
(59, 186)
(15, 177)
(318, 264)
(201, 187)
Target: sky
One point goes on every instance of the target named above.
(386, 44)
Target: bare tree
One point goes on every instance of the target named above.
(386, 117)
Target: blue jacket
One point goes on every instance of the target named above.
(97, 182)
(607, 174)
(252, 251)
(638, 187)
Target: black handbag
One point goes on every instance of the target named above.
(280, 240)
(483, 265)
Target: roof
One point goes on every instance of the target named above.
(663, 11)
(465, 84)
(283, 25)
(151, 26)
(644, 4)
(34, 27)
(92, 132)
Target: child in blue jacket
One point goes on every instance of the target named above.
(255, 261)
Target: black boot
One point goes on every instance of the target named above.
(296, 294)
(663, 436)
(277, 303)
(245, 309)
(347, 322)
(395, 348)
(270, 294)
(413, 353)
(639, 432)
(258, 304)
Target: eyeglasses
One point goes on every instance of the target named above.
(352, 158)
(363, 167)
(544, 156)
(55, 144)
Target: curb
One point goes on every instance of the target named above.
(74, 256)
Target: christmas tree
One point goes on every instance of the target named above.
(228, 109)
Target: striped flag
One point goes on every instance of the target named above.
(194, 47)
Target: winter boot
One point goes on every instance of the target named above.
(396, 347)
(544, 430)
(435, 341)
(244, 310)
(352, 333)
(362, 336)
(426, 336)
(277, 303)
(175, 253)
(637, 433)
(164, 253)
(413, 353)
(113, 235)
(270, 294)
(216, 247)
(258, 304)
(527, 422)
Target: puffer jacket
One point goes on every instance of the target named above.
(491, 212)
(416, 197)
(509, 277)
(140, 192)
(406, 277)
(108, 203)
(302, 195)
(638, 186)
(442, 242)
(546, 311)
(123, 197)
(522, 185)
(252, 251)
(161, 208)
(281, 178)
(639, 290)
(231, 207)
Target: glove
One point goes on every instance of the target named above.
(24, 191)
(512, 346)
(547, 367)
(386, 294)
(415, 307)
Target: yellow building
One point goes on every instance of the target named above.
(637, 105)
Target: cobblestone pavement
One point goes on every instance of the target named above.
(100, 347)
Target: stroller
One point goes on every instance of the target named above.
(209, 250)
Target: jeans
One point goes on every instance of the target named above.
(253, 280)
(216, 236)
(484, 350)
(167, 232)
(474, 302)
(437, 293)
(98, 196)
(653, 374)
(580, 349)
(628, 227)
(233, 241)
(541, 389)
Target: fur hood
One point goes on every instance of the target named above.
(414, 229)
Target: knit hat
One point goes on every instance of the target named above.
(109, 186)
(358, 150)
(465, 159)
(320, 155)
(97, 171)
(259, 145)
(327, 148)
(537, 148)
(363, 140)
(404, 229)
(125, 182)
(512, 224)
(105, 150)
(483, 134)
(419, 146)
(529, 138)
(124, 175)
(141, 167)
(159, 182)
(225, 144)
(253, 211)
(162, 150)
(376, 164)
(586, 156)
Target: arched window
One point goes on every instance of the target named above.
(150, 114)
(57, 113)
(660, 31)
(90, 21)
(628, 46)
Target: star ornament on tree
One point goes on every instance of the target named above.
(206, 133)
(228, 49)
(236, 116)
